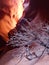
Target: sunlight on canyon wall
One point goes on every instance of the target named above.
(9, 22)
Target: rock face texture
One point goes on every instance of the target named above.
(33, 34)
